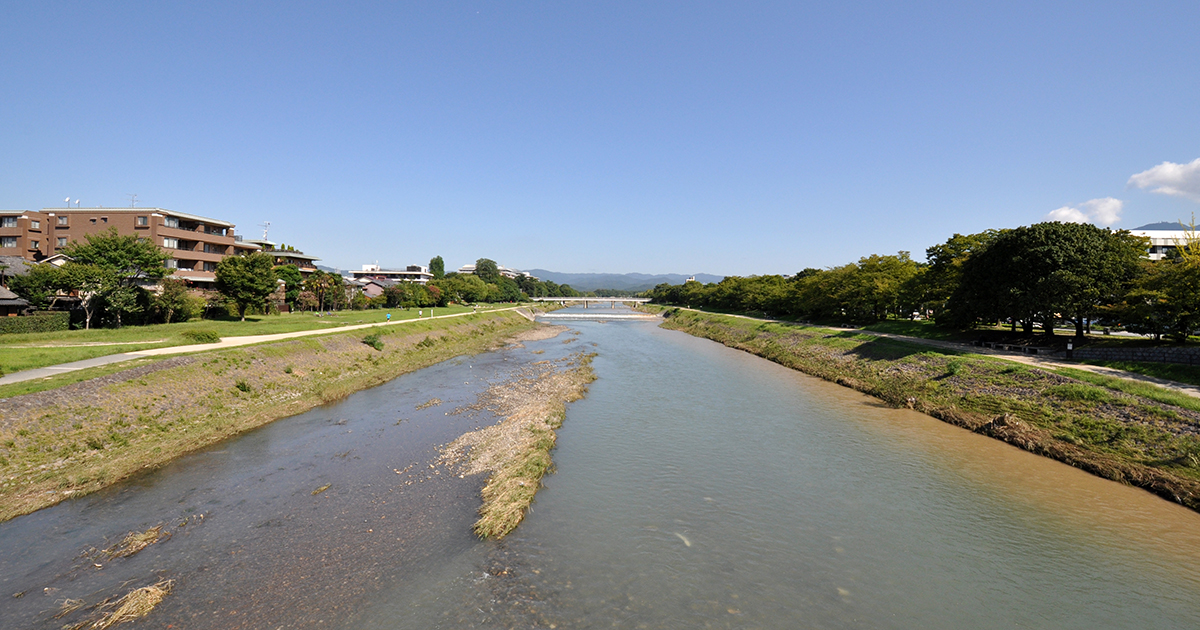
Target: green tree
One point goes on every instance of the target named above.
(487, 270)
(91, 283)
(128, 258)
(328, 288)
(173, 303)
(39, 286)
(944, 273)
(1048, 270)
(246, 280)
(293, 281)
(437, 267)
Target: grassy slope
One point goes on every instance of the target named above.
(1140, 436)
(33, 350)
(86, 436)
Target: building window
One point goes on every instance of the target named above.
(35, 225)
(171, 222)
(171, 243)
(34, 244)
(210, 266)
(104, 219)
(8, 241)
(143, 221)
(8, 222)
(171, 263)
(62, 241)
(62, 220)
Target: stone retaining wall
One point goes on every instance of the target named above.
(1186, 356)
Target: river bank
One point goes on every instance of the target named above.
(83, 437)
(1120, 436)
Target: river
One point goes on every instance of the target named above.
(695, 486)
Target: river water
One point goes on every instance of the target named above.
(695, 486)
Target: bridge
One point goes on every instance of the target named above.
(612, 301)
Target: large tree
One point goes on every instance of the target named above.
(246, 280)
(129, 258)
(1046, 271)
(293, 281)
(437, 267)
(487, 270)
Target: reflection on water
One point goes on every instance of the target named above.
(695, 486)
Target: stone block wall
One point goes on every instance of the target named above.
(1185, 356)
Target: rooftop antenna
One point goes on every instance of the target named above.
(132, 200)
(266, 225)
(76, 203)
(68, 201)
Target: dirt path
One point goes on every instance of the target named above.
(226, 342)
(1036, 361)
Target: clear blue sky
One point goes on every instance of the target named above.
(662, 137)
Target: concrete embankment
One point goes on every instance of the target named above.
(80, 438)
(1128, 438)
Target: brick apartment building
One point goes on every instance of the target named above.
(196, 244)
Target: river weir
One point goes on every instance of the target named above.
(694, 486)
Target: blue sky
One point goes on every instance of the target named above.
(659, 137)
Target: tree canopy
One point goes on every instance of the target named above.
(246, 280)
(128, 258)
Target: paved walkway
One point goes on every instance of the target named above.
(1034, 360)
(226, 342)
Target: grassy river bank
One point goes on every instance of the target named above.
(1141, 436)
(76, 439)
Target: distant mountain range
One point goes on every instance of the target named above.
(1164, 225)
(621, 281)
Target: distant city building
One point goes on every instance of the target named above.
(411, 273)
(1164, 237)
(504, 271)
(287, 255)
(196, 244)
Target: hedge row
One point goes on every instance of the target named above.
(38, 322)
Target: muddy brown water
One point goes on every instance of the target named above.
(695, 486)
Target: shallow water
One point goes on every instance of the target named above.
(695, 486)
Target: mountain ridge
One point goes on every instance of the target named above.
(620, 281)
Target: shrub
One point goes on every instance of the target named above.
(201, 336)
(40, 321)
(374, 341)
(242, 385)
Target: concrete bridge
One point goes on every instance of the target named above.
(612, 301)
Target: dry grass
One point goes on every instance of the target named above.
(516, 451)
(135, 542)
(135, 604)
(432, 402)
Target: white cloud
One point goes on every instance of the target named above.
(1169, 178)
(1106, 211)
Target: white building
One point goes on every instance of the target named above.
(1164, 238)
(411, 273)
(504, 271)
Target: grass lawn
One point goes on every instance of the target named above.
(925, 329)
(33, 350)
(1189, 374)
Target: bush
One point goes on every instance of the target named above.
(374, 341)
(242, 385)
(41, 321)
(201, 336)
